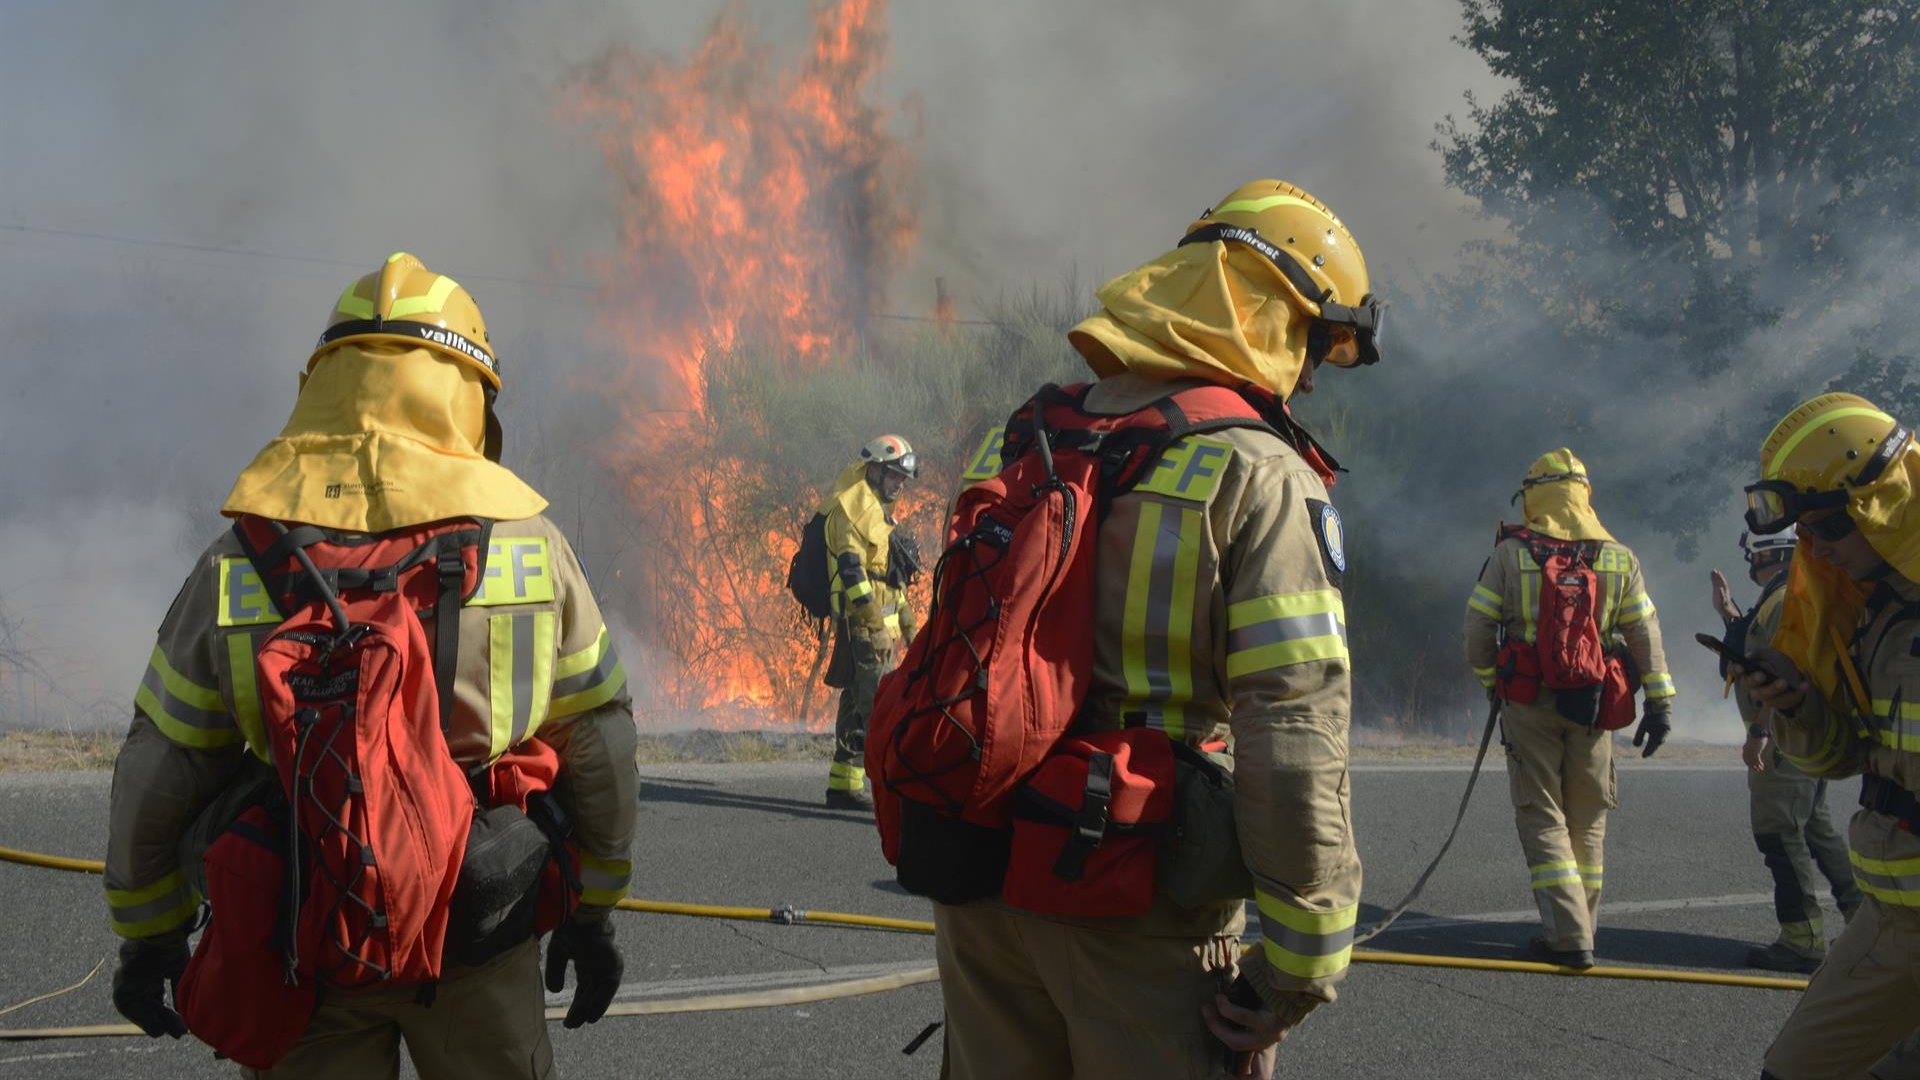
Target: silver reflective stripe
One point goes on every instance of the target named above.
(1291, 628)
(178, 710)
(1301, 943)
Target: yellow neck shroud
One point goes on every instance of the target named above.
(382, 437)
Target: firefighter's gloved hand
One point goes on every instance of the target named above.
(140, 985)
(597, 968)
(1655, 724)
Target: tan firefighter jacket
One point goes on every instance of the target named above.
(859, 530)
(1219, 612)
(1766, 619)
(1881, 740)
(1508, 598)
(535, 662)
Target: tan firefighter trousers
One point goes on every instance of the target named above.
(1863, 1001)
(1030, 999)
(485, 1023)
(1561, 774)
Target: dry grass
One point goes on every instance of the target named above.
(47, 751)
(732, 747)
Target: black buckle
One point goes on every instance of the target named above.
(1090, 822)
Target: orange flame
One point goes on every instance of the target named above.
(760, 206)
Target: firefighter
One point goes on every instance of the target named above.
(1841, 685)
(1788, 808)
(872, 618)
(1559, 759)
(1218, 609)
(394, 426)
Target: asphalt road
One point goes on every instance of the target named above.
(1685, 889)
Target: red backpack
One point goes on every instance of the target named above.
(1567, 655)
(997, 675)
(373, 813)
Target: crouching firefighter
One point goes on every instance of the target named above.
(1561, 633)
(872, 616)
(383, 735)
(1155, 566)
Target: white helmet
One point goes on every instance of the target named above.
(892, 451)
(1766, 549)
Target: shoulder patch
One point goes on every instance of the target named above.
(1332, 536)
(985, 464)
(519, 570)
(241, 598)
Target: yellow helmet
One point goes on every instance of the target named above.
(1819, 451)
(1318, 260)
(404, 301)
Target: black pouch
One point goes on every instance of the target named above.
(947, 860)
(498, 892)
(1580, 705)
(1200, 859)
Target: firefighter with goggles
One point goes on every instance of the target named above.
(1839, 686)
(872, 618)
(1788, 808)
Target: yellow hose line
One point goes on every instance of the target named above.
(52, 862)
(1527, 967)
(791, 915)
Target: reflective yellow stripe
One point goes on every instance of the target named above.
(603, 882)
(434, 299)
(1529, 597)
(1487, 676)
(1658, 685)
(1268, 202)
(1487, 602)
(1133, 626)
(1291, 628)
(246, 693)
(1591, 876)
(842, 776)
(1553, 874)
(520, 664)
(499, 685)
(1891, 881)
(165, 905)
(1637, 607)
(1809, 427)
(587, 679)
(858, 592)
(185, 712)
(1826, 757)
(352, 306)
(1305, 944)
(1180, 616)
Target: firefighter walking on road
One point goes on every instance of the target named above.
(872, 618)
(1561, 632)
(393, 435)
(1841, 685)
(1216, 608)
(1788, 808)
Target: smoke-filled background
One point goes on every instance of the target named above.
(718, 248)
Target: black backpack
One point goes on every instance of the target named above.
(807, 574)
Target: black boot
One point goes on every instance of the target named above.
(1577, 959)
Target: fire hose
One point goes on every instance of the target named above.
(788, 915)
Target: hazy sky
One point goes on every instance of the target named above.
(274, 151)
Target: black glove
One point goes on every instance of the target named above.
(140, 985)
(596, 968)
(1655, 724)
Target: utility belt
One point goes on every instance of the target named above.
(1881, 795)
(1108, 821)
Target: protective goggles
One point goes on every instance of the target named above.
(1550, 478)
(906, 464)
(1364, 319)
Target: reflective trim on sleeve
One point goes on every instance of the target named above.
(1278, 631)
(1900, 732)
(1305, 944)
(1637, 607)
(1487, 602)
(587, 679)
(185, 712)
(1827, 756)
(1488, 676)
(1554, 874)
(1658, 684)
(1890, 881)
(246, 693)
(603, 882)
(163, 906)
